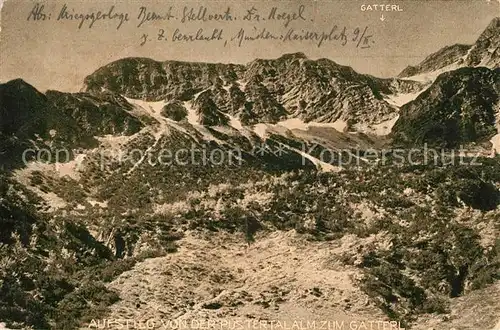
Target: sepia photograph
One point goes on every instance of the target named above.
(250, 165)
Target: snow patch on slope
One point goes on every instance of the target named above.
(495, 140)
(261, 130)
(294, 123)
(113, 142)
(340, 125)
(236, 123)
(399, 100)
(381, 129)
(154, 110)
(193, 119)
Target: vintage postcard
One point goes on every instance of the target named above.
(250, 165)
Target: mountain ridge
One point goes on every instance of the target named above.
(484, 52)
(292, 85)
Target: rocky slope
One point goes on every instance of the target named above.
(460, 107)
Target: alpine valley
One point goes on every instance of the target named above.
(305, 222)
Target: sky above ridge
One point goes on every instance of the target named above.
(57, 54)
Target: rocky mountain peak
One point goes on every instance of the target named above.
(484, 52)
